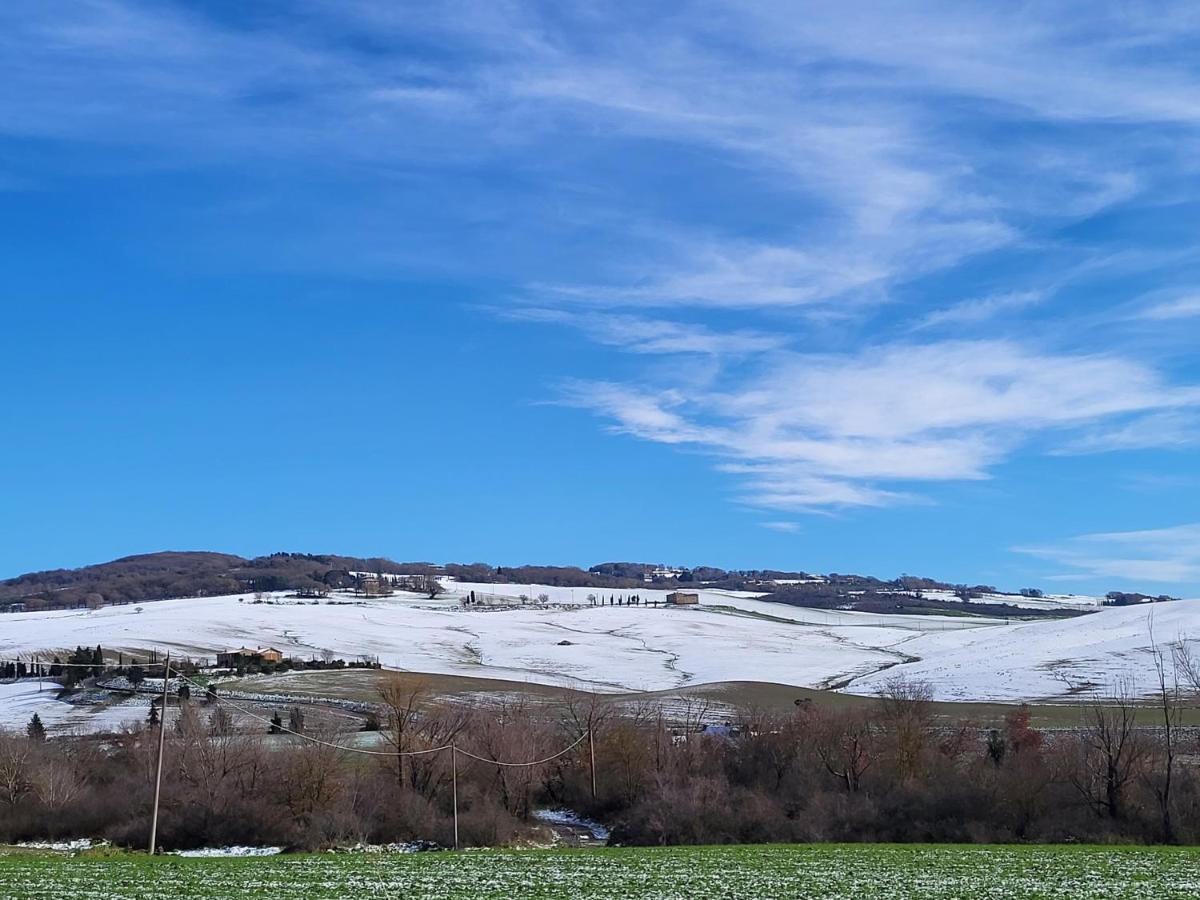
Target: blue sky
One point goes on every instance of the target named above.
(906, 287)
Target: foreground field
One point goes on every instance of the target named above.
(894, 872)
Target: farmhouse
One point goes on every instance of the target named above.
(232, 659)
(680, 598)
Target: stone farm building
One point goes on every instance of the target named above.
(682, 598)
(232, 659)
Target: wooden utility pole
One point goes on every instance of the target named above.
(454, 788)
(592, 754)
(162, 735)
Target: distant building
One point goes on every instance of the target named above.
(17, 606)
(244, 656)
(680, 598)
(660, 573)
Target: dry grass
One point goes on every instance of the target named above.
(722, 698)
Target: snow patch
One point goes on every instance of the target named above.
(229, 851)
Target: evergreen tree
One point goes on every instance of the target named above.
(276, 724)
(35, 729)
(296, 720)
(153, 719)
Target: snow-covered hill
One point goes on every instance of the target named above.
(562, 639)
(1106, 651)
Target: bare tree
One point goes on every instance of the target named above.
(403, 696)
(906, 708)
(1167, 696)
(587, 714)
(56, 782)
(509, 733)
(1187, 663)
(843, 741)
(15, 762)
(1112, 752)
(312, 776)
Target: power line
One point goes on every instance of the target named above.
(536, 762)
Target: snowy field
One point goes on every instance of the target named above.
(1047, 659)
(20, 700)
(565, 640)
(610, 648)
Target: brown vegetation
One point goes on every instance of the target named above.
(888, 771)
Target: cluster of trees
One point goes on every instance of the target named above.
(157, 576)
(884, 770)
(830, 595)
(1121, 598)
(128, 580)
(296, 664)
(83, 663)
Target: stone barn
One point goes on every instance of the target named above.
(682, 598)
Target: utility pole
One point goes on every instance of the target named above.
(592, 754)
(454, 788)
(162, 735)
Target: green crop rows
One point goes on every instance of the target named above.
(852, 872)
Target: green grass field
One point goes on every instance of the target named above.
(847, 872)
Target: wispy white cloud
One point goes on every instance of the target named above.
(637, 334)
(1112, 64)
(972, 312)
(783, 527)
(644, 415)
(1173, 429)
(1166, 555)
(809, 430)
(1187, 306)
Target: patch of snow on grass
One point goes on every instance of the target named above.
(229, 851)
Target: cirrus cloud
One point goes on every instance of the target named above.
(1166, 555)
(811, 430)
